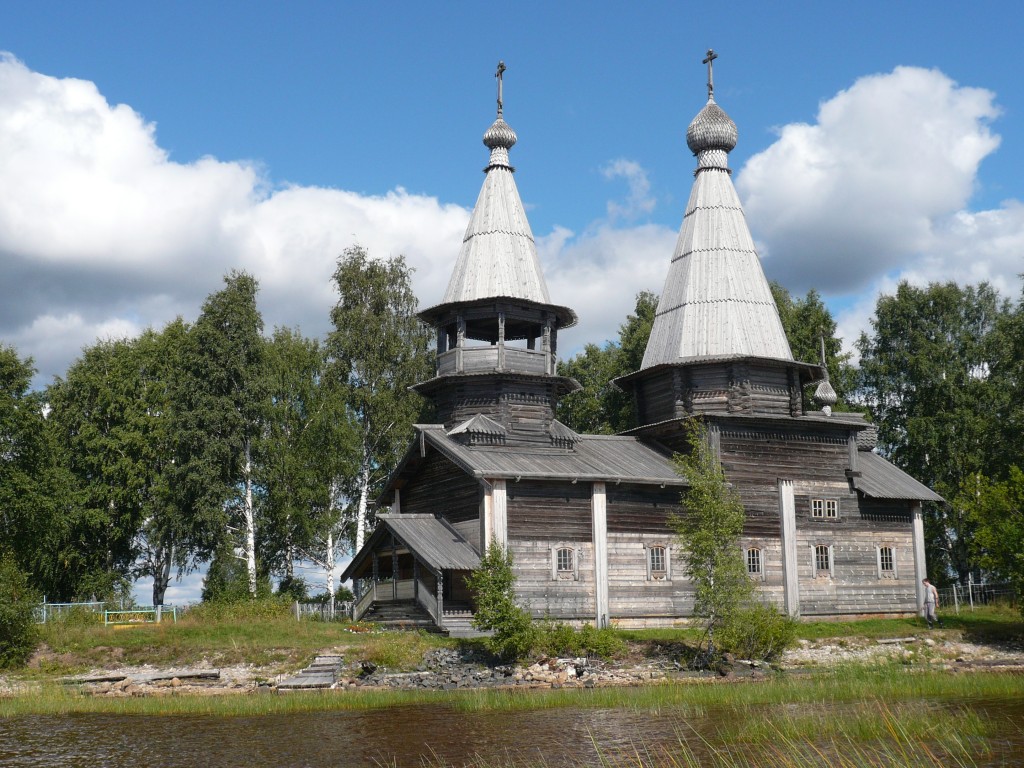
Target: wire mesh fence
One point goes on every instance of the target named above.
(341, 610)
(971, 594)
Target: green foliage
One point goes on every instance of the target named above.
(806, 322)
(709, 531)
(227, 580)
(600, 407)
(996, 509)
(18, 633)
(377, 350)
(757, 631)
(936, 377)
(33, 523)
(558, 639)
(493, 589)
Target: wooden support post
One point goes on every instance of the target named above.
(415, 579)
(499, 512)
(440, 599)
(787, 519)
(394, 568)
(460, 342)
(501, 341)
(396, 503)
(920, 567)
(599, 510)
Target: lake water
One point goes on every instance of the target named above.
(389, 737)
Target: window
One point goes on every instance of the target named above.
(564, 560)
(754, 562)
(565, 563)
(822, 560)
(823, 508)
(657, 563)
(886, 563)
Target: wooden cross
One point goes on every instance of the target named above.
(711, 82)
(501, 69)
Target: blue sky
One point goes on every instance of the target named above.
(149, 148)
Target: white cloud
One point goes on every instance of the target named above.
(877, 190)
(638, 200)
(869, 186)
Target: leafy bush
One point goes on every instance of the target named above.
(18, 631)
(757, 631)
(493, 588)
(557, 639)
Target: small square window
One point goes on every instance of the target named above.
(823, 508)
(754, 562)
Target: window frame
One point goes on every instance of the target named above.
(891, 572)
(817, 572)
(824, 509)
(757, 575)
(663, 575)
(572, 574)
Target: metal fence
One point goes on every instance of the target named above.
(967, 596)
(46, 612)
(340, 611)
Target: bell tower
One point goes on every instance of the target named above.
(497, 330)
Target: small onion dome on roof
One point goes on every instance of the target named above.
(500, 135)
(711, 129)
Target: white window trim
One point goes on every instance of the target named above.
(668, 560)
(888, 575)
(576, 556)
(831, 561)
(759, 575)
(827, 505)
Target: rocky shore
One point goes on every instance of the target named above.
(451, 669)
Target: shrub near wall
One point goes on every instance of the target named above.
(18, 634)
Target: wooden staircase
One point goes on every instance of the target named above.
(400, 614)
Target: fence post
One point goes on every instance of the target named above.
(297, 615)
(159, 613)
(956, 598)
(44, 609)
(970, 589)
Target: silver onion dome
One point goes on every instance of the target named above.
(711, 129)
(499, 135)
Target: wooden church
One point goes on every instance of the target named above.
(832, 528)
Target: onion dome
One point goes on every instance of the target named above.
(824, 394)
(500, 134)
(711, 129)
(499, 138)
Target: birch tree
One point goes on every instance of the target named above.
(377, 350)
(221, 403)
(303, 452)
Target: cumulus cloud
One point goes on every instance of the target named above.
(873, 183)
(638, 199)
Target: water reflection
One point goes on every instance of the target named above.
(390, 737)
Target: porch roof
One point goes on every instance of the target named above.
(430, 539)
(879, 479)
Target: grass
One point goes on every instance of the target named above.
(263, 635)
(846, 685)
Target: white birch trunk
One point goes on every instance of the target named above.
(364, 496)
(250, 523)
(329, 561)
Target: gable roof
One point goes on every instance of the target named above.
(594, 458)
(431, 540)
(878, 479)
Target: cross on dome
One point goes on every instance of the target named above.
(711, 81)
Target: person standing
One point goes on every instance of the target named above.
(931, 603)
